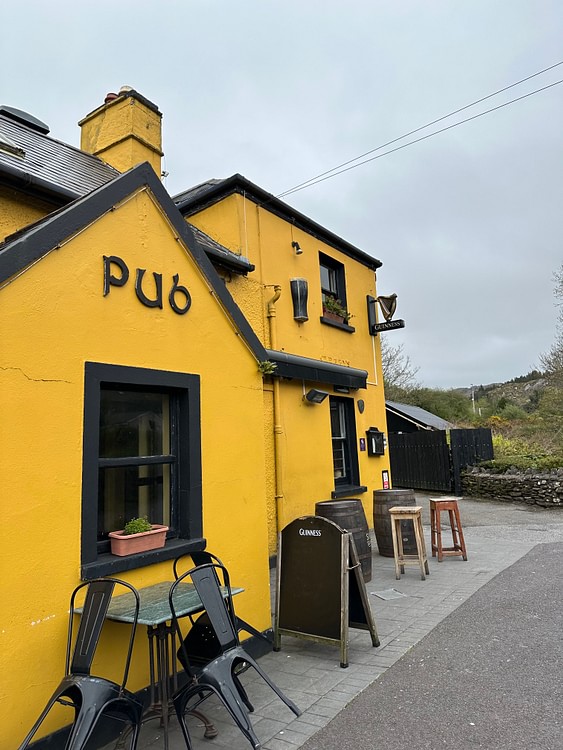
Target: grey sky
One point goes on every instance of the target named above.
(468, 224)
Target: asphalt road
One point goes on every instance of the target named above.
(489, 676)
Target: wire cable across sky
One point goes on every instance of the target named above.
(349, 165)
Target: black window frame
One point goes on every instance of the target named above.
(186, 509)
(337, 270)
(350, 484)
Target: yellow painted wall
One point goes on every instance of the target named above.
(53, 319)
(123, 132)
(18, 210)
(307, 470)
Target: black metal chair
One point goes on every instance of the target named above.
(203, 557)
(218, 676)
(91, 696)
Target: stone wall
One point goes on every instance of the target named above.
(515, 487)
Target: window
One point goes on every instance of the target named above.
(141, 457)
(333, 290)
(137, 458)
(344, 451)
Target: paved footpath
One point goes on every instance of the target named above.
(468, 658)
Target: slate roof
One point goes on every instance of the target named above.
(48, 166)
(418, 416)
(51, 169)
(220, 254)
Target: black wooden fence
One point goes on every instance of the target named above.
(427, 460)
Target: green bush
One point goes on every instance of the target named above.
(137, 526)
(522, 463)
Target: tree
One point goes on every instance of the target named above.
(552, 361)
(399, 373)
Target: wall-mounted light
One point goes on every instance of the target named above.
(315, 397)
(297, 247)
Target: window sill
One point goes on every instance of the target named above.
(336, 324)
(108, 564)
(349, 489)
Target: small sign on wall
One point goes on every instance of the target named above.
(385, 479)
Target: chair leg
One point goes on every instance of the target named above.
(289, 703)
(39, 721)
(226, 691)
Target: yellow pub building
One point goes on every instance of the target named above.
(206, 360)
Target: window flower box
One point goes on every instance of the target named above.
(128, 544)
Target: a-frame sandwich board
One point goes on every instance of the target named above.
(320, 590)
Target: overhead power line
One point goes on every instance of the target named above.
(340, 170)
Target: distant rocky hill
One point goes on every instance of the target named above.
(522, 393)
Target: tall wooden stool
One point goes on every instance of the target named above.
(436, 506)
(408, 513)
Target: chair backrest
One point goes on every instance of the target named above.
(201, 557)
(216, 600)
(99, 592)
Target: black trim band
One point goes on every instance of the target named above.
(303, 368)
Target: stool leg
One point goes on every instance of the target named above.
(426, 567)
(460, 532)
(420, 547)
(439, 536)
(433, 530)
(400, 545)
(395, 547)
(455, 531)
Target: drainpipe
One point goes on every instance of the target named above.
(278, 431)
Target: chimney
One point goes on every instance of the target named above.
(125, 131)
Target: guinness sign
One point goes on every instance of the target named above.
(389, 325)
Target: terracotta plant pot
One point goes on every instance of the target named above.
(333, 316)
(127, 544)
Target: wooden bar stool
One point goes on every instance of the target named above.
(436, 506)
(408, 513)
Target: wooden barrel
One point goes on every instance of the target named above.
(382, 501)
(349, 515)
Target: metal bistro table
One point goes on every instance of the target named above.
(156, 615)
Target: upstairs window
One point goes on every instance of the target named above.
(333, 290)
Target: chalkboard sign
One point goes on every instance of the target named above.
(320, 590)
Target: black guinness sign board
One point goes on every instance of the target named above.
(320, 591)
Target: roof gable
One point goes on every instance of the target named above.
(29, 247)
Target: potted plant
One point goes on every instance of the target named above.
(138, 535)
(333, 309)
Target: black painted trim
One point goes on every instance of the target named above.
(342, 326)
(315, 370)
(189, 500)
(239, 184)
(350, 489)
(39, 240)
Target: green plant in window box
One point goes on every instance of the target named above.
(137, 526)
(335, 306)
(138, 535)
